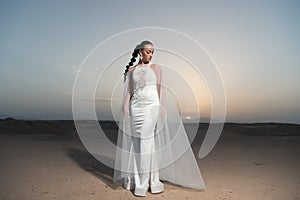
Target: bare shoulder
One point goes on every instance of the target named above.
(131, 69)
(156, 68)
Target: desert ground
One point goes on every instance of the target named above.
(47, 160)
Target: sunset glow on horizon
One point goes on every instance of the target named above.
(255, 46)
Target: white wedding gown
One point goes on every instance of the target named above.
(152, 142)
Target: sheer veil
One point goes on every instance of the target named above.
(173, 155)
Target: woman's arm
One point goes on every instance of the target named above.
(157, 70)
(128, 92)
(160, 87)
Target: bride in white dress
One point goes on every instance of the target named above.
(152, 142)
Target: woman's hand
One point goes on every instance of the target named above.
(162, 112)
(126, 112)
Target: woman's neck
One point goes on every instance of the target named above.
(143, 63)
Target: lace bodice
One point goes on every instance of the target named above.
(144, 80)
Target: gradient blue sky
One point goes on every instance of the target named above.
(255, 44)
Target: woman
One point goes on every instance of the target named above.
(151, 147)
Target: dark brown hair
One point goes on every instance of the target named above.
(135, 54)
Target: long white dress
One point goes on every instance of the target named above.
(152, 142)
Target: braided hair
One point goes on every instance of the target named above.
(135, 54)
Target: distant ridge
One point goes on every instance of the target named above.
(16, 117)
(11, 125)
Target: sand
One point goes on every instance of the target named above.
(53, 164)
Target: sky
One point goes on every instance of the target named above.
(254, 44)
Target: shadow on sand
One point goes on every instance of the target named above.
(89, 163)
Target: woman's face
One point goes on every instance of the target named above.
(147, 53)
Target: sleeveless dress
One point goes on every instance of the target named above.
(152, 142)
(144, 109)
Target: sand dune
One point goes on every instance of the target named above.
(46, 160)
